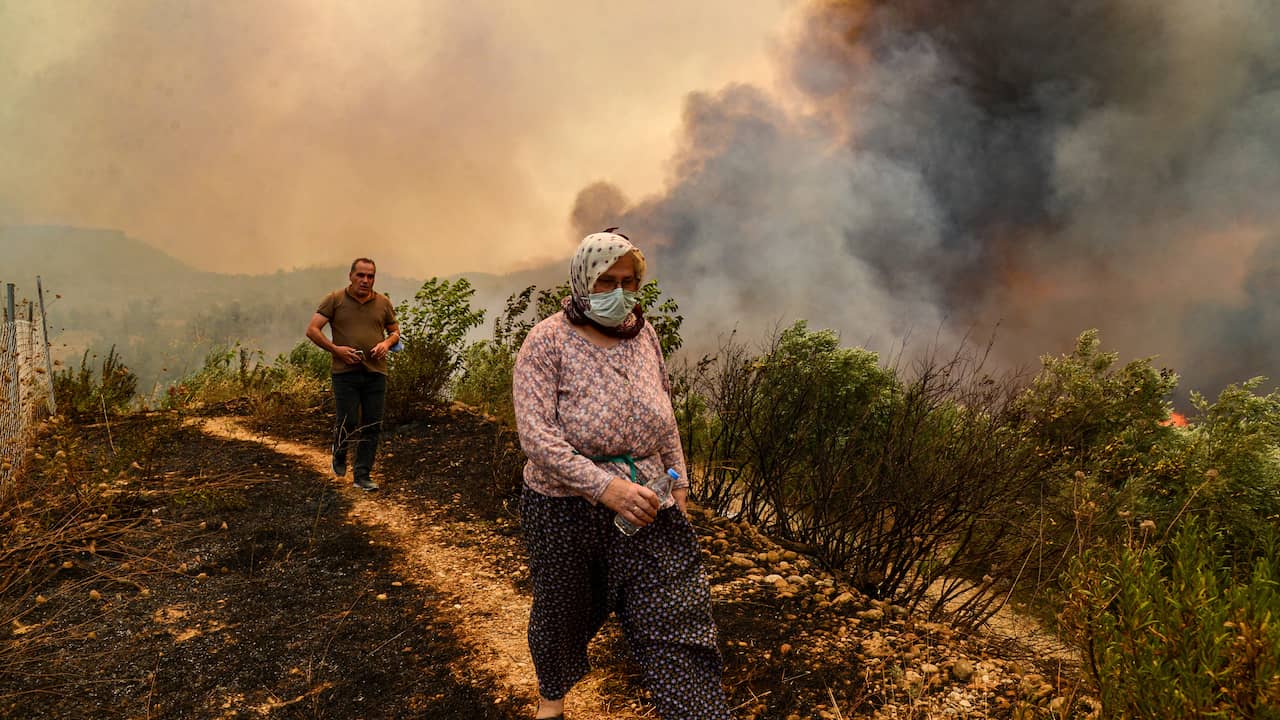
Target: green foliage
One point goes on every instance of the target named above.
(85, 392)
(308, 360)
(663, 315)
(435, 325)
(892, 479)
(227, 373)
(1106, 453)
(440, 313)
(550, 301)
(1170, 633)
(1225, 468)
(1082, 413)
(488, 364)
(1094, 438)
(294, 381)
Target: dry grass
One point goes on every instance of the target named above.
(73, 525)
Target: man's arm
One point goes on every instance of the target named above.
(393, 335)
(315, 333)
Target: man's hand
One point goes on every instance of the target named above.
(636, 503)
(348, 355)
(380, 350)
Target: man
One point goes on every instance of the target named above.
(364, 328)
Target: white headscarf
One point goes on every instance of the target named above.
(596, 253)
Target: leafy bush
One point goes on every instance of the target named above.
(307, 360)
(434, 326)
(86, 392)
(227, 373)
(1108, 453)
(1082, 413)
(1227, 470)
(664, 316)
(488, 364)
(895, 481)
(296, 380)
(1168, 631)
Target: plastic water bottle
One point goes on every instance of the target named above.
(659, 486)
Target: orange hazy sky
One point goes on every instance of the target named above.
(436, 136)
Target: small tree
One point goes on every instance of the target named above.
(663, 315)
(1095, 430)
(435, 325)
(488, 364)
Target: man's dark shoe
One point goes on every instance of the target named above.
(339, 467)
(366, 484)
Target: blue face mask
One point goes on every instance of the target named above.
(611, 308)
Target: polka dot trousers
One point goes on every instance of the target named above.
(583, 568)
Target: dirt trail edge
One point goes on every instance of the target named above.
(488, 612)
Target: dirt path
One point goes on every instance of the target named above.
(488, 612)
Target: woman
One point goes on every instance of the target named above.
(594, 413)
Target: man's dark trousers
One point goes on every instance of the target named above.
(360, 397)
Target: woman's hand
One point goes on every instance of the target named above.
(636, 503)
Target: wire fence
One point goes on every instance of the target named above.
(26, 378)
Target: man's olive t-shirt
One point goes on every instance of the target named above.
(360, 325)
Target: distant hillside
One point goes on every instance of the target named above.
(105, 268)
(103, 288)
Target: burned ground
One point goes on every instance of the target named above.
(229, 580)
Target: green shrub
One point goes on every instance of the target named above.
(1168, 633)
(297, 380)
(228, 373)
(86, 392)
(488, 364)
(895, 481)
(1083, 413)
(307, 360)
(434, 325)
(1099, 431)
(664, 316)
(1224, 467)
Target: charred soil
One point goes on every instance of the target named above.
(215, 571)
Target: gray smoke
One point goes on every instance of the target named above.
(941, 167)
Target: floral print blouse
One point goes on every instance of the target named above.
(575, 400)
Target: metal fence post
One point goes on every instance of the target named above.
(11, 320)
(44, 338)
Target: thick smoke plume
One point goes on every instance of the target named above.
(435, 136)
(940, 166)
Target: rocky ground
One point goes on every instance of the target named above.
(231, 577)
